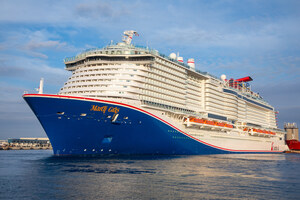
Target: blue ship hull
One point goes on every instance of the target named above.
(78, 126)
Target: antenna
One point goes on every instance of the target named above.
(127, 38)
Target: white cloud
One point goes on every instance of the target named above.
(63, 13)
(31, 70)
(263, 38)
(33, 43)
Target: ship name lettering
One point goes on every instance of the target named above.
(98, 108)
(114, 110)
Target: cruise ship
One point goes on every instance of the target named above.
(125, 99)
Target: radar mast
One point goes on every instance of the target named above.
(128, 36)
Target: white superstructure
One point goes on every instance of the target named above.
(164, 84)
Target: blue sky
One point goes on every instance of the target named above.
(260, 38)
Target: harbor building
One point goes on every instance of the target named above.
(29, 143)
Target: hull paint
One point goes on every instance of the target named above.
(80, 125)
(293, 144)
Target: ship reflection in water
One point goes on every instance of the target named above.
(39, 175)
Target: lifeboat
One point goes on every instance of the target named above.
(204, 122)
(259, 131)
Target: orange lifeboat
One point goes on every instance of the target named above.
(220, 124)
(213, 123)
(259, 131)
(210, 122)
(228, 125)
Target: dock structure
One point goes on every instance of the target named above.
(292, 131)
(292, 137)
(3, 144)
(292, 151)
(27, 144)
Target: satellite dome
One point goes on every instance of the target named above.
(173, 56)
(223, 77)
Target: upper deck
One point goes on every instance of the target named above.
(126, 52)
(122, 52)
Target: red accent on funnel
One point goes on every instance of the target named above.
(245, 79)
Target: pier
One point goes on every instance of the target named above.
(292, 151)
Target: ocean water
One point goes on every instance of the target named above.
(37, 174)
